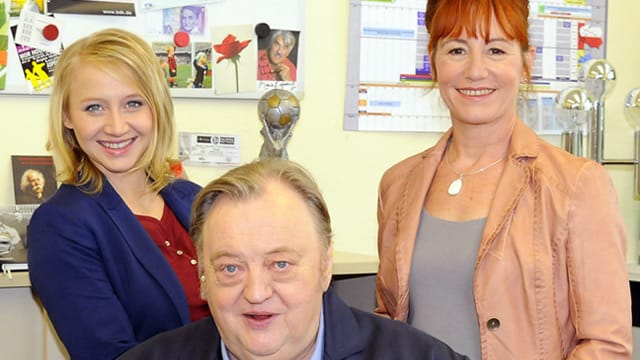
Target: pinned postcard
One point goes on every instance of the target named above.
(235, 59)
(39, 31)
(278, 60)
(209, 149)
(193, 70)
(37, 65)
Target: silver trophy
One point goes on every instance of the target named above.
(279, 111)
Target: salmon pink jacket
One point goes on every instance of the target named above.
(550, 277)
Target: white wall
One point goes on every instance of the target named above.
(347, 165)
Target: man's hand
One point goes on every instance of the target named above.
(283, 72)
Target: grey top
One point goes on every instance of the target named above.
(441, 282)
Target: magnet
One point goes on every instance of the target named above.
(262, 30)
(50, 32)
(181, 39)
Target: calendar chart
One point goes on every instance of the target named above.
(389, 86)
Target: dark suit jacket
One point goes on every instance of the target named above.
(103, 281)
(29, 198)
(350, 334)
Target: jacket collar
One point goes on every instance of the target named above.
(343, 336)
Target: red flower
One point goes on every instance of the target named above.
(230, 48)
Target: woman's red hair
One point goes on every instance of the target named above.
(452, 18)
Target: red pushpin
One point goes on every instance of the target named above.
(181, 39)
(50, 32)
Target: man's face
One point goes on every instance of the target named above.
(36, 182)
(189, 19)
(266, 270)
(279, 50)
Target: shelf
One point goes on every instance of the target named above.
(348, 263)
(634, 271)
(17, 279)
(344, 263)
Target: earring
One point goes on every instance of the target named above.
(203, 278)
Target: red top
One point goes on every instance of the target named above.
(264, 68)
(177, 247)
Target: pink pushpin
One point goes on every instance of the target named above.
(181, 39)
(50, 32)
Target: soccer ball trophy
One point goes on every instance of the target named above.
(279, 111)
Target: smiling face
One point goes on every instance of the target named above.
(111, 120)
(279, 50)
(266, 269)
(479, 81)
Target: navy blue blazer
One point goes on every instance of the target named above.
(350, 334)
(103, 281)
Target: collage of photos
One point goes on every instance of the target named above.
(195, 50)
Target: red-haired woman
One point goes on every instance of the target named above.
(493, 240)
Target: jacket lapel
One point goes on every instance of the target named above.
(417, 183)
(512, 184)
(143, 247)
(342, 336)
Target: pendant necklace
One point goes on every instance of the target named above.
(456, 185)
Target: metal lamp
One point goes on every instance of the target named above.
(573, 106)
(598, 76)
(632, 114)
(582, 104)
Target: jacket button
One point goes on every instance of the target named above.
(493, 324)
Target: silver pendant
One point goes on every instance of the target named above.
(455, 187)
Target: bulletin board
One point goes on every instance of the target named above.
(196, 32)
(389, 85)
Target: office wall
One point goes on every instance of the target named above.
(347, 165)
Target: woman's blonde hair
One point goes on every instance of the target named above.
(130, 59)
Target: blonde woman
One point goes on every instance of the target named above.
(110, 256)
